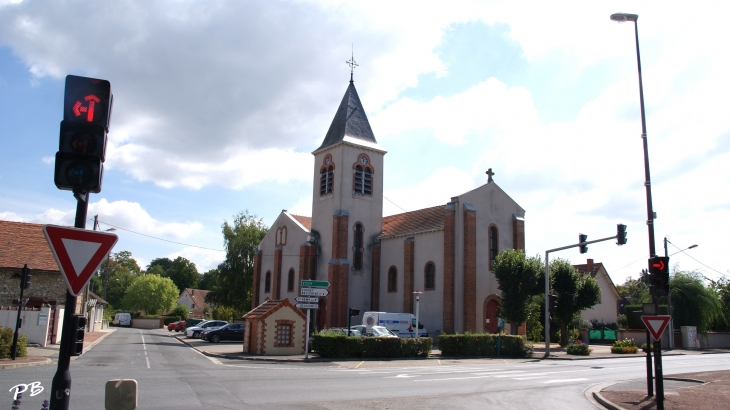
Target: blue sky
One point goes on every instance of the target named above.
(218, 105)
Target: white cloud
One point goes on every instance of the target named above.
(11, 216)
(205, 259)
(436, 189)
(302, 207)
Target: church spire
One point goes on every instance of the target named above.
(351, 62)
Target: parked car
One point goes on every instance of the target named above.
(401, 324)
(122, 319)
(231, 331)
(172, 325)
(378, 331)
(190, 322)
(195, 331)
(180, 326)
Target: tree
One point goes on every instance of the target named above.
(183, 273)
(575, 292)
(120, 278)
(125, 259)
(722, 288)
(636, 291)
(180, 311)
(693, 304)
(517, 276)
(151, 293)
(155, 270)
(235, 274)
(208, 280)
(163, 263)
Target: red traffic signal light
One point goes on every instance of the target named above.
(87, 101)
(659, 271)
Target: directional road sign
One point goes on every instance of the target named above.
(305, 299)
(656, 324)
(78, 252)
(314, 292)
(307, 306)
(315, 283)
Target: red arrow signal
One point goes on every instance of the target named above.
(78, 252)
(659, 265)
(656, 324)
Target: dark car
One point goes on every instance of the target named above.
(232, 331)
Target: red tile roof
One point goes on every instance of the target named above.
(24, 243)
(198, 297)
(306, 221)
(422, 220)
(586, 268)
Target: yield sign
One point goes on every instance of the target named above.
(78, 252)
(656, 324)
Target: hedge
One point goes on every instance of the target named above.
(483, 344)
(6, 343)
(170, 319)
(342, 346)
(633, 315)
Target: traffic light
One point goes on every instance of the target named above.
(82, 141)
(553, 303)
(25, 277)
(78, 328)
(621, 234)
(582, 238)
(659, 271)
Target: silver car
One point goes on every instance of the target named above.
(195, 331)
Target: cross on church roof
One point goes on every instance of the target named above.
(490, 173)
(351, 62)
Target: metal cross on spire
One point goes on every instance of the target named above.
(351, 62)
(490, 174)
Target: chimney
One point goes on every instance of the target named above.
(589, 265)
(192, 291)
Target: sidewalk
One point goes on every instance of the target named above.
(42, 356)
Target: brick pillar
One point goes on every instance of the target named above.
(338, 272)
(518, 232)
(470, 268)
(408, 261)
(307, 258)
(375, 288)
(276, 280)
(449, 267)
(256, 290)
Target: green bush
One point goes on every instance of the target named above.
(626, 346)
(6, 343)
(578, 349)
(334, 345)
(170, 319)
(483, 344)
(180, 310)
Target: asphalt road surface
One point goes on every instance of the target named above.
(172, 375)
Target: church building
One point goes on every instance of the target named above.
(375, 263)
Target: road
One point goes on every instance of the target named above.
(172, 375)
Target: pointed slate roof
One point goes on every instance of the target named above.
(350, 121)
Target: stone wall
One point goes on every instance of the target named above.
(45, 286)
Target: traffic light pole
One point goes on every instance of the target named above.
(547, 285)
(61, 384)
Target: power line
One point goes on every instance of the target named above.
(683, 251)
(395, 204)
(161, 239)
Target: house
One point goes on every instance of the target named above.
(194, 299)
(95, 306)
(607, 310)
(374, 262)
(275, 327)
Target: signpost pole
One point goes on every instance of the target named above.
(61, 384)
(659, 374)
(306, 338)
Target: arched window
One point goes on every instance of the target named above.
(267, 282)
(357, 250)
(290, 281)
(493, 241)
(429, 276)
(363, 176)
(326, 176)
(392, 279)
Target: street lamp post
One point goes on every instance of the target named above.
(418, 298)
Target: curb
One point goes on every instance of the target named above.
(593, 394)
(44, 362)
(96, 342)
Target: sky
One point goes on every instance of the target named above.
(219, 104)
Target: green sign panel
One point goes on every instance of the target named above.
(315, 284)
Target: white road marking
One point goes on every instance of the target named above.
(563, 380)
(148, 362)
(144, 347)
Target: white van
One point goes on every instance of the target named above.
(402, 324)
(122, 319)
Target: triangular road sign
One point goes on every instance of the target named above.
(78, 252)
(656, 324)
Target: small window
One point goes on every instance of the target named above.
(326, 176)
(392, 279)
(493, 241)
(357, 250)
(290, 281)
(267, 282)
(283, 335)
(429, 280)
(362, 176)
